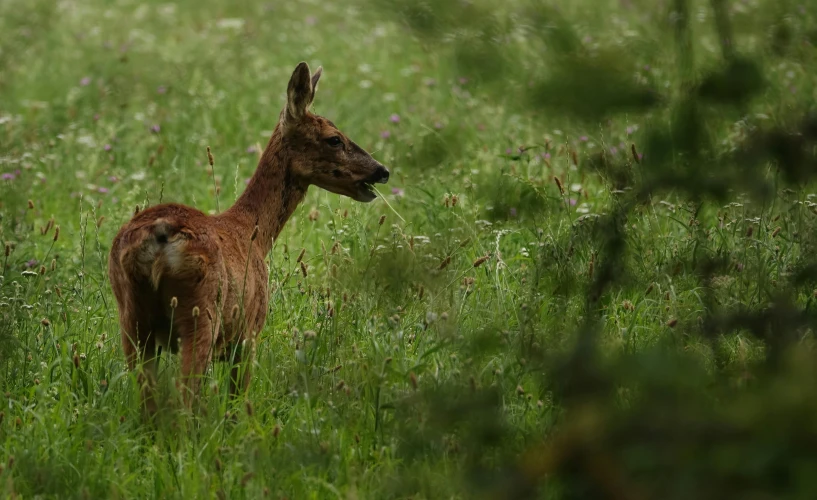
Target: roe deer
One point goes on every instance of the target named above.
(201, 279)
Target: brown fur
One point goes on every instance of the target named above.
(213, 263)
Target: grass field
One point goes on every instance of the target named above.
(510, 324)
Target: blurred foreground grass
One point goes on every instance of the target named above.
(603, 288)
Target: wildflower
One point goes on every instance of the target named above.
(32, 263)
(85, 81)
(311, 20)
(584, 138)
(438, 125)
(251, 150)
(512, 211)
(398, 191)
(385, 134)
(614, 150)
(102, 189)
(572, 202)
(112, 178)
(161, 89)
(155, 129)
(7, 176)
(462, 80)
(107, 147)
(395, 118)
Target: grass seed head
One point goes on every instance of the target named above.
(303, 268)
(559, 185)
(413, 380)
(53, 264)
(248, 408)
(276, 431)
(481, 260)
(382, 220)
(210, 159)
(671, 323)
(174, 303)
(42, 270)
(56, 233)
(445, 262)
(634, 151)
(30, 205)
(196, 311)
(301, 255)
(100, 221)
(776, 232)
(45, 322)
(76, 360)
(750, 231)
(234, 312)
(7, 250)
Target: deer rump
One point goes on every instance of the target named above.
(165, 252)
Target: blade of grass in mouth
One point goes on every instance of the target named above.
(387, 203)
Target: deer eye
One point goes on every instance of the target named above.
(334, 141)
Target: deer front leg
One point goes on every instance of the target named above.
(196, 352)
(242, 367)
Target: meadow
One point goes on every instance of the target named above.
(592, 273)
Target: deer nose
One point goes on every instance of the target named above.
(382, 174)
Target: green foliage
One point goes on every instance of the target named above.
(603, 286)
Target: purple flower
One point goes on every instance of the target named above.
(311, 20)
(462, 80)
(647, 67)
(614, 150)
(251, 150)
(430, 82)
(584, 138)
(32, 263)
(630, 130)
(113, 179)
(385, 134)
(438, 125)
(508, 151)
(155, 129)
(246, 181)
(96, 117)
(7, 177)
(395, 118)
(546, 156)
(161, 89)
(572, 202)
(107, 147)
(512, 212)
(102, 189)
(85, 81)
(397, 191)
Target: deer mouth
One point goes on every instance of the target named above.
(366, 192)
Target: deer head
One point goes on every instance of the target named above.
(320, 153)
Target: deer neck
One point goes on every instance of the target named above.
(271, 196)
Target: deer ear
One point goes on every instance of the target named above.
(316, 76)
(299, 93)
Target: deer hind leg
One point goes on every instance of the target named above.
(140, 355)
